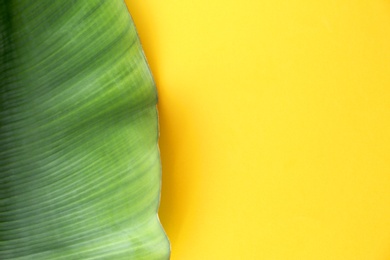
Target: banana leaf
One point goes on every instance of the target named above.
(79, 162)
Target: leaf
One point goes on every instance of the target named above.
(79, 161)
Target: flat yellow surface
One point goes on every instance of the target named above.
(275, 126)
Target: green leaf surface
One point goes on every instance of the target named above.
(79, 161)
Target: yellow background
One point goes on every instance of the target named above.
(275, 126)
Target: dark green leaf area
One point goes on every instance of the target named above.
(79, 161)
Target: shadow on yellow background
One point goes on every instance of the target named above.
(171, 211)
(275, 126)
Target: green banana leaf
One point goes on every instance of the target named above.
(79, 163)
